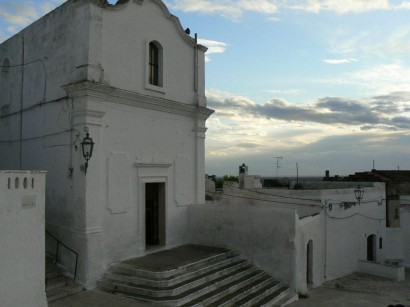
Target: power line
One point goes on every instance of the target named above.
(39, 104)
(37, 137)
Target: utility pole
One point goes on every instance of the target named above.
(277, 166)
(297, 173)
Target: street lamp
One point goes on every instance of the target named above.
(358, 193)
(87, 146)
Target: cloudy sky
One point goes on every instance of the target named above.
(322, 83)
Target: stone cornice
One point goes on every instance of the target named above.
(152, 164)
(116, 95)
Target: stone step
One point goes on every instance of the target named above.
(215, 297)
(241, 293)
(177, 294)
(52, 274)
(194, 275)
(127, 268)
(194, 278)
(266, 296)
(58, 285)
(56, 282)
(286, 300)
(63, 291)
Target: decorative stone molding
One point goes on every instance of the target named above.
(115, 95)
(200, 132)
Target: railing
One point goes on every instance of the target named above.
(69, 249)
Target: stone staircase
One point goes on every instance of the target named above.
(58, 285)
(194, 275)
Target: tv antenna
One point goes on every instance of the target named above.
(277, 165)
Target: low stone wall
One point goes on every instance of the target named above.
(22, 247)
(388, 271)
(262, 234)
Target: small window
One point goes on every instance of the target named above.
(155, 64)
(396, 213)
(4, 86)
(380, 243)
(5, 66)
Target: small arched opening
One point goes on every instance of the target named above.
(371, 247)
(309, 262)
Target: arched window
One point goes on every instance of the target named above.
(155, 64)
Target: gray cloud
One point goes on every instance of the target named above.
(249, 145)
(378, 112)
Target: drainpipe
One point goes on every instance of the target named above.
(325, 262)
(21, 105)
(196, 64)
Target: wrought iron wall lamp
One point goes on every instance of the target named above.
(358, 193)
(87, 146)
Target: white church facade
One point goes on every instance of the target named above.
(133, 79)
(129, 77)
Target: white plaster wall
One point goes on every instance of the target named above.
(46, 48)
(347, 230)
(305, 202)
(127, 30)
(310, 228)
(156, 147)
(22, 252)
(405, 228)
(262, 234)
(339, 236)
(57, 48)
(395, 243)
(252, 182)
(80, 42)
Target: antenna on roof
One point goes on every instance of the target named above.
(277, 165)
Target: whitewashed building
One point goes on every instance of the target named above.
(303, 237)
(22, 239)
(130, 76)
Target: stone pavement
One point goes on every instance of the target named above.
(359, 290)
(355, 290)
(96, 298)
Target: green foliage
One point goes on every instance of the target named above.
(219, 183)
(272, 183)
(231, 178)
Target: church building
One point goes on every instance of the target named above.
(129, 80)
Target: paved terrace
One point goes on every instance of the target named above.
(359, 290)
(356, 290)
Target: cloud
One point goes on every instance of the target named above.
(228, 8)
(19, 14)
(234, 9)
(404, 5)
(341, 7)
(384, 77)
(385, 112)
(249, 145)
(334, 133)
(290, 91)
(224, 8)
(373, 80)
(213, 47)
(339, 61)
